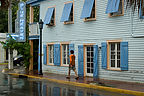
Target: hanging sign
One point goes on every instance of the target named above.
(20, 26)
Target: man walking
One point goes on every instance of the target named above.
(72, 65)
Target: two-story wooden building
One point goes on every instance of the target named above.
(107, 39)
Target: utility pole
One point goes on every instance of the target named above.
(10, 52)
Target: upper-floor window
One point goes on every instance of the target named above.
(115, 8)
(50, 17)
(89, 10)
(68, 13)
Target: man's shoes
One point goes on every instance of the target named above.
(68, 77)
(77, 78)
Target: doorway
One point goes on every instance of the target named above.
(89, 60)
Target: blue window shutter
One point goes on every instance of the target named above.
(48, 15)
(44, 90)
(87, 8)
(66, 12)
(140, 12)
(45, 54)
(57, 54)
(71, 47)
(112, 6)
(124, 55)
(95, 73)
(56, 91)
(80, 60)
(104, 55)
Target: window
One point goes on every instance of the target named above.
(114, 54)
(50, 17)
(120, 10)
(68, 13)
(50, 57)
(65, 54)
(89, 10)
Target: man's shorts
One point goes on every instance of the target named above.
(72, 67)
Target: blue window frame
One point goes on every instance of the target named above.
(67, 15)
(50, 17)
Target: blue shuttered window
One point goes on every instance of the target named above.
(112, 6)
(80, 61)
(140, 11)
(87, 8)
(95, 73)
(71, 47)
(45, 54)
(124, 55)
(57, 54)
(48, 15)
(66, 12)
(104, 55)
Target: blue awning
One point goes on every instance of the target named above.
(48, 15)
(66, 12)
(87, 8)
(112, 6)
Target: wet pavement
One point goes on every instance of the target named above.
(14, 86)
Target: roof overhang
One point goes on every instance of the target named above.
(33, 1)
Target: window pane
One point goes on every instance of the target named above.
(92, 54)
(91, 70)
(91, 48)
(112, 56)
(112, 63)
(88, 64)
(118, 63)
(112, 46)
(88, 70)
(50, 60)
(88, 48)
(64, 61)
(118, 46)
(91, 59)
(88, 54)
(88, 59)
(91, 65)
(118, 56)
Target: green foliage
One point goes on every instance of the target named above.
(22, 48)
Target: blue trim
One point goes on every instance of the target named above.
(33, 37)
(140, 12)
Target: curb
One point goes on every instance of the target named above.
(130, 92)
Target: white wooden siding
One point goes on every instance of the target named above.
(104, 28)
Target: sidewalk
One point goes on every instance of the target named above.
(136, 89)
